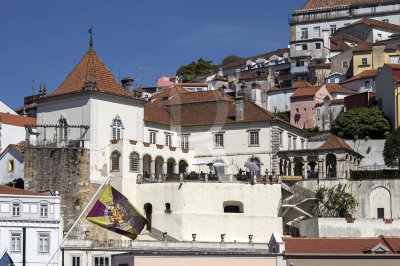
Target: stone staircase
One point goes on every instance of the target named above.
(155, 234)
(297, 205)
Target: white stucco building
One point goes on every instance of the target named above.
(30, 225)
(12, 163)
(149, 148)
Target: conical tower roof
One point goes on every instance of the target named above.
(90, 74)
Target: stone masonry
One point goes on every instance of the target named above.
(65, 170)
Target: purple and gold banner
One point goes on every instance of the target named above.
(114, 212)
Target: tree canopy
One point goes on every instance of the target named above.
(190, 71)
(391, 151)
(230, 59)
(335, 201)
(361, 123)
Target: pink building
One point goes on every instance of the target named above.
(165, 81)
(302, 105)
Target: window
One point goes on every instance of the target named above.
(381, 213)
(168, 140)
(346, 24)
(219, 140)
(101, 261)
(385, 20)
(11, 165)
(300, 63)
(304, 46)
(280, 138)
(254, 138)
(379, 37)
(44, 210)
(233, 207)
(289, 142)
(345, 64)
(336, 80)
(167, 207)
(318, 45)
(76, 261)
(317, 32)
(304, 33)
(273, 249)
(63, 130)
(43, 243)
(294, 143)
(297, 110)
(115, 160)
(333, 29)
(16, 242)
(367, 84)
(153, 135)
(364, 61)
(185, 142)
(117, 129)
(134, 162)
(318, 111)
(302, 144)
(16, 209)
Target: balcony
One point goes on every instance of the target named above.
(299, 69)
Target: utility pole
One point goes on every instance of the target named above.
(142, 68)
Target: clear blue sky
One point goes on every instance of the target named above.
(45, 39)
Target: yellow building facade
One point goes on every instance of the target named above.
(373, 57)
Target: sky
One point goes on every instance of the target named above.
(43, 40)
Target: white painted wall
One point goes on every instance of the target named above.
(6, 176)
(30, 218)
(11, 135)
(6, 109)
(279, 101)
(359, 85)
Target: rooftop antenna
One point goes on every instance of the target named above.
(91, 36)
(33, 86)
(142, 68)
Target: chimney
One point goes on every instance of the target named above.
(239, 107)
(127, 84)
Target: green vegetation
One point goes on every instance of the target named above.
(284, 116)
(391, 151)
(361, 123)
(190, 71)
(230, 59)
(335, 201)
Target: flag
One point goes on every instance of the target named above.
(6, 260)
(114, 212)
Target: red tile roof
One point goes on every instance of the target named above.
(6, 190)
(336, 88)
(306, 91)
(334, 101)
(396, 71)
(338, 245)
(20, 147)
(90, 65)
(363, 47)
(371, 22)
(335, 143)
(301, 84)
(363, 75)
(313, 4)
(191, 84)
(16, 120)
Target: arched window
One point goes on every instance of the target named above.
(258, 163)
(116, 129)
(115, 155)
(233, 207)
(63, 130)
(134, 162)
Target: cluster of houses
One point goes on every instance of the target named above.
(181, 153)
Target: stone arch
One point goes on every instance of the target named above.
(183, 165)
(159, 164)
(232, 206)
(62, 130)
(171, 166)
(380, 203)
(258, 162)
(331, 165)
(115, 161)
(219, 170)
(312, 167)
(146, 168)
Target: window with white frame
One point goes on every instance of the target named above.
(76, 261)
(101, 261)
(385, 20)
(317, 32)
(254, 138)
(16, 209)
(185, 142)
(294, 143)
(302, 144)
(134, 162)
(280, 138)
(44, 210)
(336, 80)
(117, 129)
(333, 29)
(168, 140)
(43, 242)
(153, 136)
(16, 242)
(219, 140)
(289, 142)
(364, 61)
(304, 33)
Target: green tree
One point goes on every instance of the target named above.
(361, 123)
(230, 59)
(284, 115)
(190, 71)
(391, 151)
(335, 201)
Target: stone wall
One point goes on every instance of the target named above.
(66, 171)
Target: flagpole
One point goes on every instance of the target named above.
(80, 216)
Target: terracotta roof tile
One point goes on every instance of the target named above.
(334, 101)
(20, 147)
(337, 245)
(313, 4)
(371, 22)
(306, 91)
(335, 143)
(336, 88)
(16, 120)
(6, 190)
(363, 75)
(84, 70)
